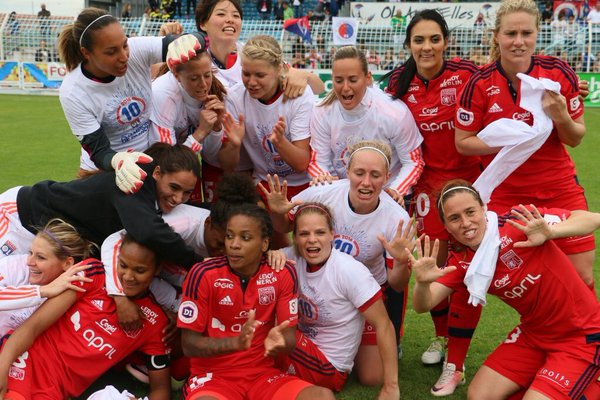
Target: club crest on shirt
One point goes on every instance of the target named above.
(8, 248)
(511, 260)
(448, 96)
(266, 295)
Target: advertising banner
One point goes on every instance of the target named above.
(43, 75)
(456, 14)
(593, 99)
(9, 74)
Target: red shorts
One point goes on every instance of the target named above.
(424, 209)
(307, 362)
(249, 384)
(562, 369)
(291, 191)
(570, 199)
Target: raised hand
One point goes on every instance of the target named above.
(247, 332)
(235, 131)
(278, 133)
(276, 195)
(275, 341)
(424, 267)
(534, 226)
(403, 240)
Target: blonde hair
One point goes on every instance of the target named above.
(509, 7)
(264, 48)
(381, 148)
(65, 240)
(343, 53)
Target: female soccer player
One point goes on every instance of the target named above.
(238, 314)
(365, 219)
(494, 92)
(553, 352)
(429, 85)
(221, 20)
(106, 96)
(187, 106)
(336, 295)
(74, 338)
(97, 208)
(354, 110)
(49, 269)
(274, 133)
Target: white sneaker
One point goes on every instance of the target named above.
(435, 352)
(139, 372)
(448, 381)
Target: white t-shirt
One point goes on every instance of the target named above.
(188, 222)
(378, 117)
(328, 303)
(18, 299)
(233, 75)
(121, 107)
(356, 234)
(175, 116)
(259, 120)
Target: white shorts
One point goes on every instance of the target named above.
(14, 238)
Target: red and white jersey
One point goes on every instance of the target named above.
(175, 114)
(18, 299)
(433, 106)
(14, 237)
(330, 304)
(175, 117)
(378, 117)
(356, 234)
(540, 283)
(233, 75)
(490, 96)
(216, 302)
(88, 340)
(185, 220)
(260, 119)
(121, 107)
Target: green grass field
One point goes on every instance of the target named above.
(37, 144)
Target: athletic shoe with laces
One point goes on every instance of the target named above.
(448, 381)
(435, 352)
(139, 372)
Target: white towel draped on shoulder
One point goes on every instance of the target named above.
(518, 141)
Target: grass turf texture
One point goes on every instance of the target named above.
(37, 144)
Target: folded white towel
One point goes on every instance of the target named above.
(517, 139)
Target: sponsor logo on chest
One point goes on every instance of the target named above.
(454, 80)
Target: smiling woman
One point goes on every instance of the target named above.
(355, 110)
(82, 325)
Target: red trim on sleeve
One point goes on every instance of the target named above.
(371, 301)
(389, 263)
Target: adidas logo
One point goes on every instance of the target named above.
(99, 304)
(495, 108)
(226, 301)
(411, 98)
